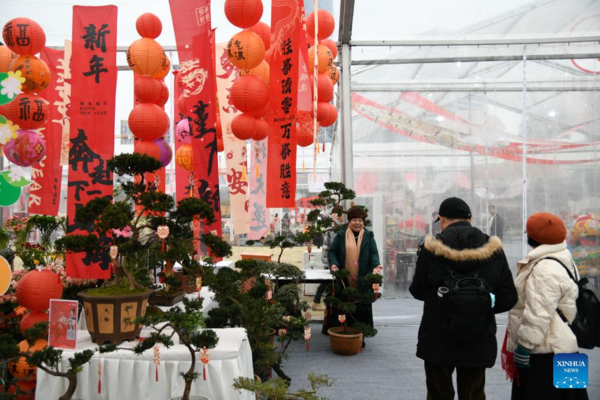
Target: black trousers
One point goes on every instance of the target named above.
(470, 382)
(536, 382)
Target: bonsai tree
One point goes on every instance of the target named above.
(278, 389)
(283, 242)
(134, 234)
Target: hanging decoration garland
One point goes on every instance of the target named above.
(204, 358)
(156, 359)
(114, 252)
(376, 289)
(307, 335)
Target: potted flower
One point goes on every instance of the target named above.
(112, 309)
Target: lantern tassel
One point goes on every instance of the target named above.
(244, 175)
(323, 146)
(271, 373)
(257, 171)
(204, 371)
(307, 345)
(295, 307)
(100, 375)
(303, 169)
(156, 373)
(163, 245)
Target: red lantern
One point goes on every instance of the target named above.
(330, 44)
(28, 111)
(304, 138)
(334, 74)
(21, 368)
(249, 93)
(31, 319)
(262, 130)
(325, 88)
(36, 288)
(243, 126)
(181, 105)
(147, 90)
(243, 13)
(263, 71)
(148, 121)
(246, 50)
(262, 113)
(184, 157)
(264, 31)
(24, 36)
(146, 57)
(326, 24)
(148, 25)
(268, 57)
(6, 57)
(326, 113)
(149, 148)
(35, 71)
(164, 94)
(325, 59)
(164, 71)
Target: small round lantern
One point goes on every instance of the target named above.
(246, 50)
(147, 147)
(184, 157)
(28, 111)
(181, 105)
(330, 44)
(29, 147)
(164, 94)
(166, 152)
(37, 288)
(264, 31)
(164, 71)
(334, 74)
(35, 71)
(243, 126)
(326, 113)
(146, 57)
(24, 36)
(304, 137)
(147, 90)
(326, 24)
(148, 121)
(182, 130)
(262, 130)
(6, 57)
(325, 87)
(263, 71)
(31, 319)
(21, 368)
(325, 59)
(148, 25)
(262, 113)
(249, 93)
(243, 13)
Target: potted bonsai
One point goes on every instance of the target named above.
(278, 388)
(112, 309)
(168, 295)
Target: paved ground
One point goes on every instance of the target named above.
(388, 367)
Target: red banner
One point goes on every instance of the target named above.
(192, 26)
(94, 84)
(182, 176)
(286, 26)
(44, 192)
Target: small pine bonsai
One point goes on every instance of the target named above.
(278, 389)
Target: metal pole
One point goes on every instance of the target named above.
(524, 132)
(347, 156)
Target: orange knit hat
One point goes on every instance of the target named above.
(546, 228)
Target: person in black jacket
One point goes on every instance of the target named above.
(465, 250)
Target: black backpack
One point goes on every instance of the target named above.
(586, 325)
(466, 308)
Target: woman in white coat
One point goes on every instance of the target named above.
(536, 331)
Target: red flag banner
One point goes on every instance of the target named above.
(286, 26)
(192, 26)
(94, 84)
(182, 176)
(44, 192)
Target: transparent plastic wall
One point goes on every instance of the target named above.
(423, 132)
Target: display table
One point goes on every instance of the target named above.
(310, 276)
(128, 376)
(256, 256)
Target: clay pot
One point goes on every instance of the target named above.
(345, 343)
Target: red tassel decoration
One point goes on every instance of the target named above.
(156, 373)
(99, 386)
(271, 373)
(307, 345)
(204, 371)
(163, 245)
(323, 147)
(100, 376)
(295, 307)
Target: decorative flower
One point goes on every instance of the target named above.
(307, 333)
(125, 232)
(342, 318)
(11, 86)
(282, 332)
(8, 131)
(204, 355)
(307, 316)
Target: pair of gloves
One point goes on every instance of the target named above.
(521, 357)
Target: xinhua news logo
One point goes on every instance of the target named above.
(571, 371)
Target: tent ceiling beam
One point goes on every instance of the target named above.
(496, 41)
(346, 18)
(392, 87)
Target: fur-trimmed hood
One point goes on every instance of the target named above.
(438, 248)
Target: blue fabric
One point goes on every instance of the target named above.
(522, 357)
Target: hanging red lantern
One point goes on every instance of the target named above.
(330, 44)
(164, 94)
(181, 105)
(264, 31)
(148, 25)
(326, 24)
(166, 152)
(24, 36)
(263, 71)
(184, 157)
(268, 57)
(21, 368)
(326, 113)
(243, 126)
(36, 288)
(334, 74)
(147, 147)
(164, 71)
(147, 90)
(262, 113)
(246, 50)
(325, 58)
(26, 149)
(28, 111)
(6, 57)
(262, 130)
(35, 71)
(249, 93)
(146, 57)
(148, 121)
(32, 318)
(304, 138)
(325, 87)
(243, 13)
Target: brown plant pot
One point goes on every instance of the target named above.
(167, 301)
(109, 318)
(188, 282)
(345, 343)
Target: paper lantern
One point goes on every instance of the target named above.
(181, 105)
(35, 71)
(164, 71)
(6, 57)
(324, 88)
(262, 130)
(28, 147)
(147, 147)
(148, 121)
(31, 319)
(326, 113)
(243, 126)
(164, 94)
(304, 138)
(246, 50)
(326, 24)
(146, 57)
(166, 152)
(28, 111)
(325, 59)
(249, 93)
(21, 369)
(305, 121)
(148, 25)
(182, 131)
(330, 44)
(220, 144)
(36, 288)
(268, 57)
(24, 36)
(243, 13)
(184, 157)
(264, 31)
(334, 74)
(263, 71)
(147, 90)
(262, 113)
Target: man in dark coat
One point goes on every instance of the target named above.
(467, 251)
(496, 223)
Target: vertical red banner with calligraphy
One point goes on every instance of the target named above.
(182, 176)
(286, 25)
(259, 214)
(192, 26)
(94, 85)
(44, 192)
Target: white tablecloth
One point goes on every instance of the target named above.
(126, 376)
